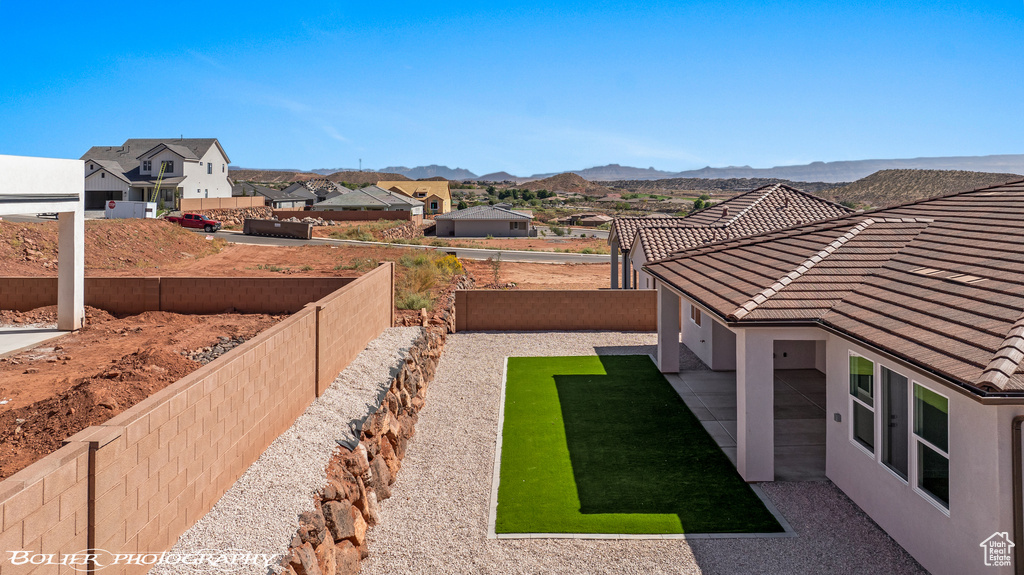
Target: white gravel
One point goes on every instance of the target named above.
(259, 514)
(436, 519)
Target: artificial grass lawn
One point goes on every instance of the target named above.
(603, 444)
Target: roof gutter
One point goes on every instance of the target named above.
(1018, 497)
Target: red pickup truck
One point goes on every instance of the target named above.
(195, 221)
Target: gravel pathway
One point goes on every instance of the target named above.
(436, 519)
(259, 514)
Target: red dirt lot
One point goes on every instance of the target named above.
(541, 276)
(63, 386)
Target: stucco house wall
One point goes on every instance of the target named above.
(711, 341)
(482, 228)
(980, 490)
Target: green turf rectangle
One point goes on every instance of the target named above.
(603, 444)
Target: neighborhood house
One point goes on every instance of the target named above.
(371, 198)
(435, 194)
(483, 221)
(134, 171)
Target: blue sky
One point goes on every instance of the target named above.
(524, 87)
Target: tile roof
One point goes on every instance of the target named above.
(410, 188)
(938, 282)
(298, 194)
(483, 213)
(659, 242)
(369, 197)
(767, 208)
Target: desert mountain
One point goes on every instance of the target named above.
(567, 182)
(848, 171)
(281, 176)
(498, 177)
(891, 187)
(713, 185)
(433, 170)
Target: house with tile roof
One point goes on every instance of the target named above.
(436, 195)
(483, 221)
(294, 198)
(193, 168)
(913, 318)
(770, 207)
(371, 198)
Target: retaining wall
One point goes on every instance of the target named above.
(194, 204)
(175, 294)
(564, 310)
(140, 480)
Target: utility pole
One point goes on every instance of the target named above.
(360, 164)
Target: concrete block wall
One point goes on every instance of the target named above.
(197, 204)
(45, 507)
(570, 310)
(127, 295)
(137, 482)
(346, 215)
(348, 317)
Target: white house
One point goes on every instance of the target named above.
(184, 168)
(913, 319)
(771, 207)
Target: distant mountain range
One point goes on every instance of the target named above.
(843, 171)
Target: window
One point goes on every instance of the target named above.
(433, 205)
(895, 424)
(90, 166)
(147, 165)
(102, 175)
(223, 168)
(862, 401)
(209, 168)
(167, 166)
(931, 435)
(695, 315)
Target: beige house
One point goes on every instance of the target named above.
(483, 221)
(768, 208)
(436, 195)
(184, 168)
(909, 323)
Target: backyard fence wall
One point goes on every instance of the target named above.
(175, 294)
(196, 204)
(136, 483)
(347, 215)
(570, 310)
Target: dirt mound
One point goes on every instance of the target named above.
(567, 182)
(31, 248)
(61, 387)
(890, 187)
(28, 433)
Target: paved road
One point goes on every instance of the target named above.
(466, 253)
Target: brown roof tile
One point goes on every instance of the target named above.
(938, 282)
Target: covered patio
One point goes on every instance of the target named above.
(799, 416)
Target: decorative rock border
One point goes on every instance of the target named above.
(331, 539)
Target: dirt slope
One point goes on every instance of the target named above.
(31, 248)
(891, 187)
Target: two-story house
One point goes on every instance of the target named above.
(183, 168)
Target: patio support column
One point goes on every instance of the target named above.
(71, 270)
(668, 330)
(755, 401)
(627, 273)
(615, 267)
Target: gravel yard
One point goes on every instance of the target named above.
(436, 519)
(260, 513)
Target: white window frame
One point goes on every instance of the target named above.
(209, 167)
(147, 165)
(915, 439)
(874, 452)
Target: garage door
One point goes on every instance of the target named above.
(96, 200)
